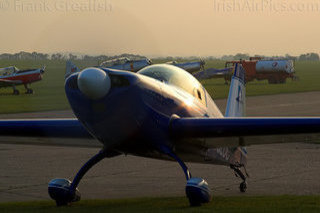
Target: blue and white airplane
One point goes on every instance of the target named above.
(160, 112)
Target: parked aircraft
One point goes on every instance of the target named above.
(126, 64)
(12, 76)
(214, 73)
(191, 67)
(160, 112)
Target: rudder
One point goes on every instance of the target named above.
(236, 105)
(70, 69)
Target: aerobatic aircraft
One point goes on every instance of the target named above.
(12, 76)
(161, 112)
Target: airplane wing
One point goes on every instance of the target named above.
(213, 73)
(56, 132)
(5, 83)
(221, 132)
(218, 132)
(236, 130)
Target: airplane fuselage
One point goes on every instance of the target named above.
(23, 77)
(133, 117)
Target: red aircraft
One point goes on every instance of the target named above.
(12, 76)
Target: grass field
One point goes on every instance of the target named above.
(219, 204)
(49, 93)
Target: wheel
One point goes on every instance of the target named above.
(16, 92)
(198, 191)
(29, 91)
(295, 78)
(59, 190)
(243, 187)
(283, 81)
(272, 81)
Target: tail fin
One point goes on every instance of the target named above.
(70, 68)
(236, 105)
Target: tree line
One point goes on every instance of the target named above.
(70, 56)
(302, 57)
(62, 56)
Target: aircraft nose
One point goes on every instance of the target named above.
(94, 83)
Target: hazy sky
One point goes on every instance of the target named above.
(166, 27)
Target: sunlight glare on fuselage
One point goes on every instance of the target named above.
(188, 101)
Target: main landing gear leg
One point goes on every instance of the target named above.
(239, 173)
(28, 90)
(197, 189)
(15, 91)
(65, 192)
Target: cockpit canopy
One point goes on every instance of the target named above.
(176, 76)
(8, 70)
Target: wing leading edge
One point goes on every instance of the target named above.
(57, 132)
(54, 128)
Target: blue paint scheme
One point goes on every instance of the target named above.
(229, 127)
(143, 122)
(136, 116)
(185, 169)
